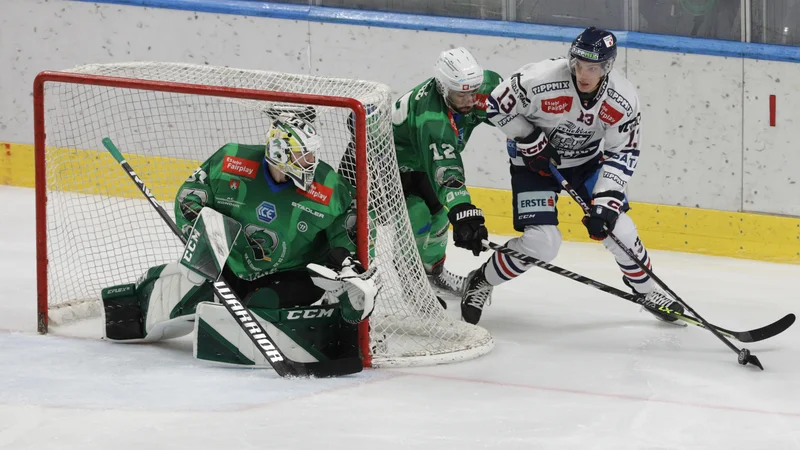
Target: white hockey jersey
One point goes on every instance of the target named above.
(543, 95)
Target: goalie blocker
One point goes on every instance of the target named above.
(311, 315)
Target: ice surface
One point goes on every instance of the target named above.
(573, 368)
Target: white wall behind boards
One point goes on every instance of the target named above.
(693, 141)
(691, 145)
(771, 169)
(37, 35)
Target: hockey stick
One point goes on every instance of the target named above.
(756, 335)
(744, 354)
(243, 317)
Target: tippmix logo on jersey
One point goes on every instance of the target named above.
(317, 192)
(266, 212)
(239, 166)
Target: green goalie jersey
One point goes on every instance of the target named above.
(283, 227)
(429, 137)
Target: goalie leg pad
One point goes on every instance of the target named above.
(307, 334)
(160, 306)
(170, 298)
(122, 313)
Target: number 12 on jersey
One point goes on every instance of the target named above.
(446, 152)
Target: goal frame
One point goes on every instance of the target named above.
(362, 230)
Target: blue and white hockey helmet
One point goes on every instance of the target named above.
(594, 46)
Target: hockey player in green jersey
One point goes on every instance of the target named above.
(293, 210)
(432, 124)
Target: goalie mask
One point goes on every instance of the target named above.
(458, 78)
(292, 146)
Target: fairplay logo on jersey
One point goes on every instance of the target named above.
(481, 101)
(609, 115)
(558, 105)
(317, 192)
(239, 166)
(266, 212)
(528, 202)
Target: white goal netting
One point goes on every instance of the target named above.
(101, 231)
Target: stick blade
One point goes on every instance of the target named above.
(766, 332)
(334, 368)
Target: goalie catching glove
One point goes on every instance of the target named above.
(351, 284)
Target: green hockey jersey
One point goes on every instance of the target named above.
(283, 227)
(429, 137)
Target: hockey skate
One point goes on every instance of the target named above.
(658, 299)
(478, 293)
(446, 284)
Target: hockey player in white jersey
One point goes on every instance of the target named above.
(584, 116)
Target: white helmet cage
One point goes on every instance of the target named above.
(457, 70)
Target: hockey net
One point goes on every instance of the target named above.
(95, 229)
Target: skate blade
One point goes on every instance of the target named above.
(447, 296)
(676, 322)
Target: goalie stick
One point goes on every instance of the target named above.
(744, 356)
(244, 318)
(756, 335)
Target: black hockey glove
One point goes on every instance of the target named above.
(340, 257)
(603, 214)
(468, 229)
(537, 152)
